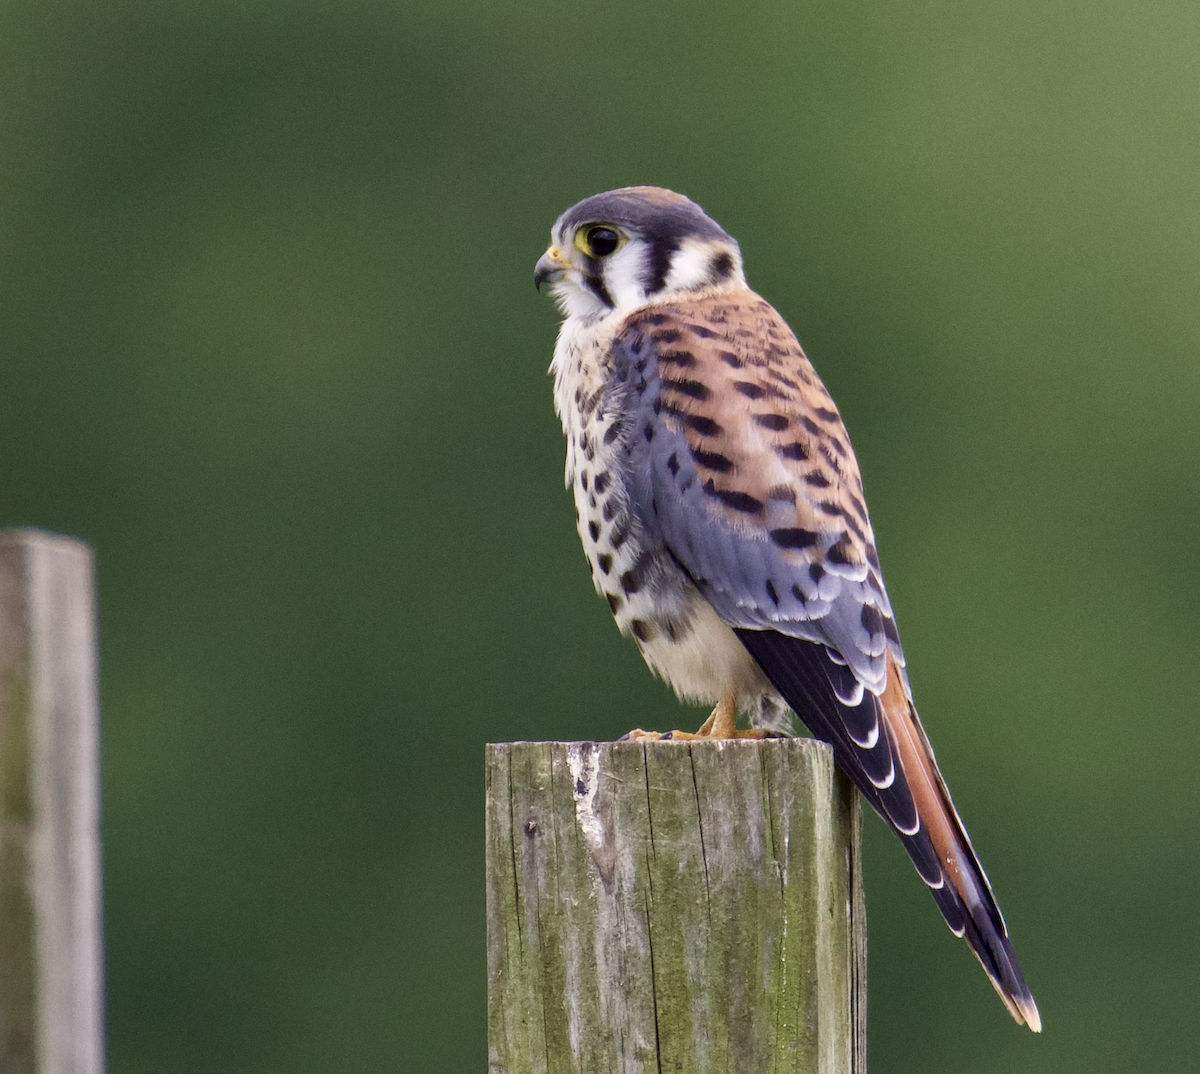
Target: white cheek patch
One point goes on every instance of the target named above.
(576, 299)
(695, 264)
(692, 266)
(623, 275)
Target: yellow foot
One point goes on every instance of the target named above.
(722, 723)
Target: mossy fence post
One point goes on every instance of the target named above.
(51, 980)
(687, 907)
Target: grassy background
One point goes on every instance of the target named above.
(268, 339)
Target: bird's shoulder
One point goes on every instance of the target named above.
(764, 434)
(740, 458)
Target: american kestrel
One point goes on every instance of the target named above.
(722, 512)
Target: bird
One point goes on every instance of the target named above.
(721, 510)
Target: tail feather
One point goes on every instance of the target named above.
(916, 802)
(984, 928)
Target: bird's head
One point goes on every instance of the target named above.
(624, 248)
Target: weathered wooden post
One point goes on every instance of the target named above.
(51, 1009)
(687, 907)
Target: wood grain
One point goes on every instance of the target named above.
(51, 981)
(669, 906)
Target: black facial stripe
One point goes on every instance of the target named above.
(661, 220)
(662, 247)
(595, 281)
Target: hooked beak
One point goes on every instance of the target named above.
(550, 267)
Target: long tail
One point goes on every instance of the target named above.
(970, 894)
(880, 743)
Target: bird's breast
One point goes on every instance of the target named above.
(651, 597)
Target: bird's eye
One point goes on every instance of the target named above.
(597, 240)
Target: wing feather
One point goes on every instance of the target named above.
(747, 471)
(745, 465)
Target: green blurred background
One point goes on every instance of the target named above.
(269, 340)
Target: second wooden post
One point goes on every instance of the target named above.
(673, 907)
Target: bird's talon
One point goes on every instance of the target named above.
(638, 735)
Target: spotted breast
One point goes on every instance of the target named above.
(654, 601)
